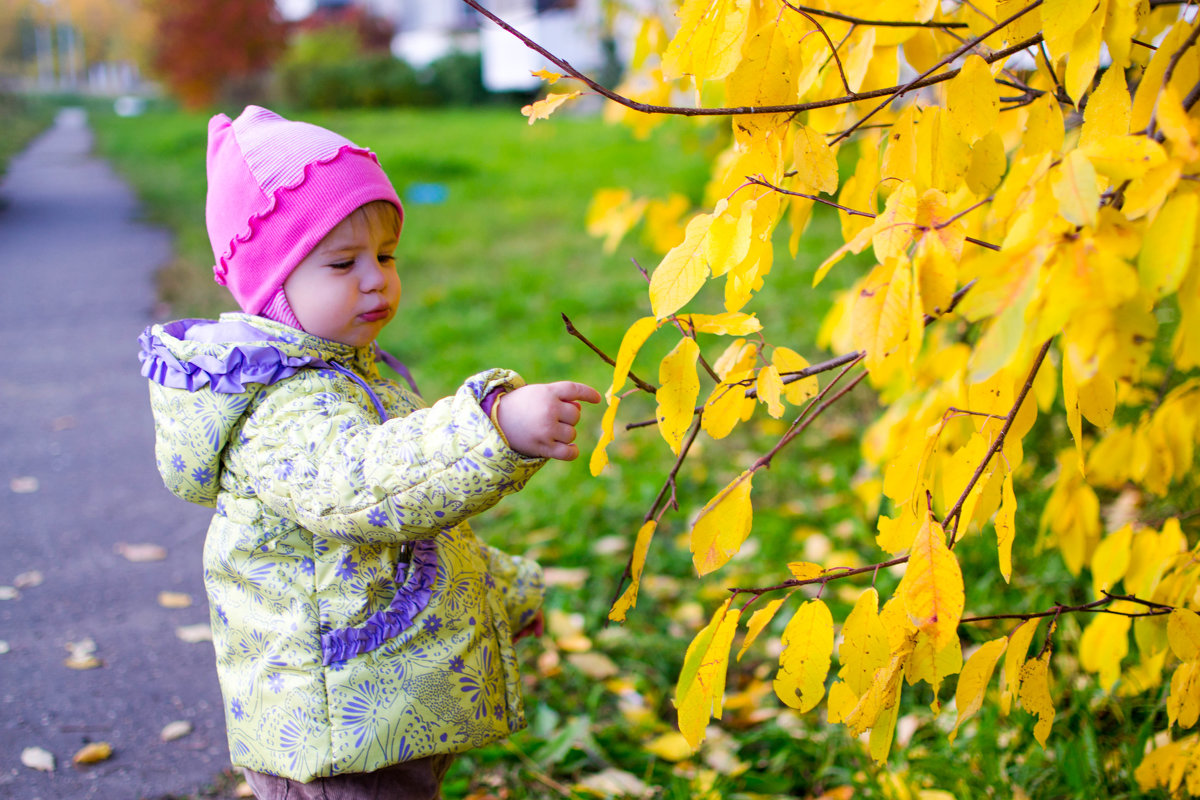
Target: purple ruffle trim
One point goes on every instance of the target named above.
(411, 599)
(251, 362)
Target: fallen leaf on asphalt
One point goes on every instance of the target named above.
(4, 648)
(174, 599)
(26, 484)
(82, 655)
(28, 580)
(194, 634)
(9, 593)
(243, 790)
(141, 552)
(596, 666)
(37, 758)
(62, 423)
(93, 753)
(175, 730)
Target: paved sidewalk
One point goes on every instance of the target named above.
(77, 479)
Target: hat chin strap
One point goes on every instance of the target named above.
(280, 310)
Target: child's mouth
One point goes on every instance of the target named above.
(374, 316)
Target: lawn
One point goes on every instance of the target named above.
(494, 251)
(21, 119)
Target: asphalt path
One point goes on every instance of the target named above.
(78, 484)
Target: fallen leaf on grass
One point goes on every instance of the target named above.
(28, 580)
(594, 665)
(671, 747)
(26, 484)
(82, 655)
(194, 634)
(174, 599)
(139, 553)
(37, 758)
(615, 783)
(175, 730)
(571, 577)
(93, 753)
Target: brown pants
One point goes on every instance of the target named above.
(412, 780)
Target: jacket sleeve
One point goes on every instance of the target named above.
(323, 459)
(521, 583)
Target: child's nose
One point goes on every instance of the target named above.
(374, 276)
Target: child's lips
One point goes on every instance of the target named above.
(376, 314)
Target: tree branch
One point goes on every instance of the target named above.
(571, 329)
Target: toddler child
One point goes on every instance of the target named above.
(363, 634)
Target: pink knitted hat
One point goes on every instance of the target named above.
(275, 188)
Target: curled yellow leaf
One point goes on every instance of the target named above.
(543, 108)
(637, 563)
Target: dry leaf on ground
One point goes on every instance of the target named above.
(143, 552)
(37, 758)
(194, 634)
(9, 593)
(26, 484)
(175, 730)
(28, 580)
(596, 666)
(93, 753)
(174, 599)
(82, 655)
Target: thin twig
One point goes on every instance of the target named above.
(956, 512)
(876, 23)
(571, 329)
(832, 47)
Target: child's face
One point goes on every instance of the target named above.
(347, 288)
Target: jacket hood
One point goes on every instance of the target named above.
(203, 376)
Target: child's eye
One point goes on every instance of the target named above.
(342, 265)
(386, 258)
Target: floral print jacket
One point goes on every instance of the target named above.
(357, 620)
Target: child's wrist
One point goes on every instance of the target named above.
(491, 405)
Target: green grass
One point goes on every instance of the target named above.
(21, 119)
(487, 276)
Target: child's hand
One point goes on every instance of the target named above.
(539, 420)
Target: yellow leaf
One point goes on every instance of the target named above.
(663, 231)
(1044, 128)
(611, 214)
(1168, 246)
(1076, 189)
(701, 687)
(789, 361)
(884, 691)
(758, 622)
(708, 44)
(1183, 704)
(1084, 57)
(723, 525)
(900, 157)
(1061, 19)
(766, 74)
(932, 586)
(673, 747)
(729, 323)
(637, 563)
(805, 570)
(1150, 87)
(1006, 527)
(1105, 642)
(1108, 107)
(1183, 633)
(895, 228)
(1035, 695)
(807, 653)
(682, 271)
(865, 647)
(546, 75)
(770, 388)
(987, 165)
(816, 165)
(1111, 559)
(599, 459)
(727, 405)
(1018, 648)
(678, 391)
(631, 343)
(974, 680)
(973, 100)
(1180, 129)
(542, 109)
(1124, 158)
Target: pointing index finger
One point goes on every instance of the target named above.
(572, 391)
